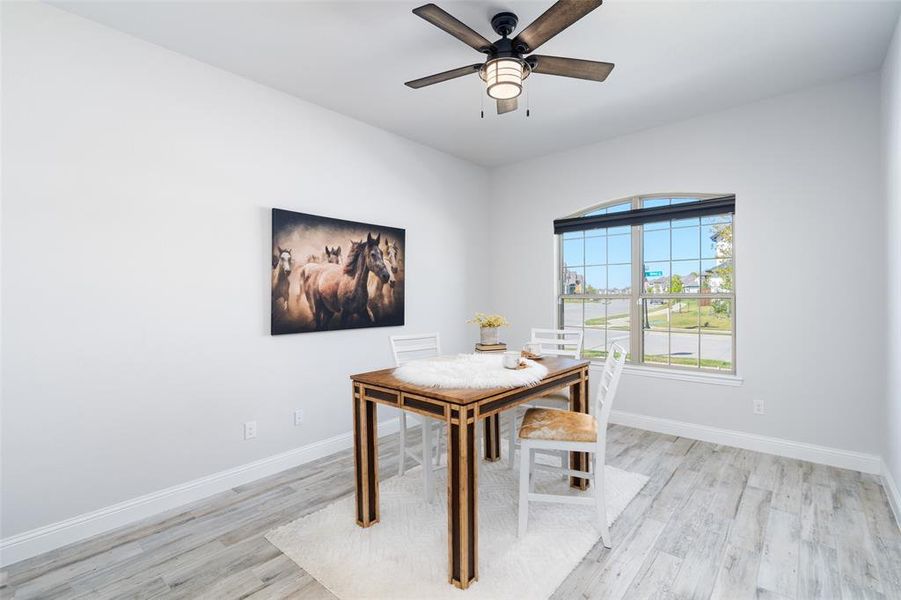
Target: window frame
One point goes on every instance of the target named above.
(637, 296)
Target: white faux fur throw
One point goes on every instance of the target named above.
(475, 371)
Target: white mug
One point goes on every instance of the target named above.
(511, 359)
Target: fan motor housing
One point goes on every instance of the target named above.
(503, 48)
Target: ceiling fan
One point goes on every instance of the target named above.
(506, 67)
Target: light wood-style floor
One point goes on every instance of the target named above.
(713, 521)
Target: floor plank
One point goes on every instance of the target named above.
(779, 561)
(818, 575)
(737, 575)
(655, 579)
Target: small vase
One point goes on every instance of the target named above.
(489, 335)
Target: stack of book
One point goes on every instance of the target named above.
(498, 347)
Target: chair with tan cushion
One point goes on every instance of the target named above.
(557, 430)
(553, 342)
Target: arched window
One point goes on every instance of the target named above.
(664, 290)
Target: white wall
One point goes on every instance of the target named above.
(135, 244)
(810, 255)
(891, 130)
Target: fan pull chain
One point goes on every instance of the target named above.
(528, 101)
(481, 101)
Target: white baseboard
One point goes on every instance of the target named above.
(834, 457)
(56, 535)
(892, 491)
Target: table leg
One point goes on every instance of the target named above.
(366, 457)
(492, 427)
(578, 402)
(462, 497)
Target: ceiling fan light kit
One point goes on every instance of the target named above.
(503, 77)
(505, 68)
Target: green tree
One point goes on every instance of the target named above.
(726, 269)
(721, 308)
(723, 239)
(676, 287)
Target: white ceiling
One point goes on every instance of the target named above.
(674, 60)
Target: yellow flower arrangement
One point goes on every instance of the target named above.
(483, 320)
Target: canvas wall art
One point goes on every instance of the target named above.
(332, 274)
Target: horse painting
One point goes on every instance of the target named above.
(363, 287)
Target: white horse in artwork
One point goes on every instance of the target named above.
(282, 263)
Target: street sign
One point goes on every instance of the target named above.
(653, 273)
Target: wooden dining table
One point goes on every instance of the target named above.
(461, 410)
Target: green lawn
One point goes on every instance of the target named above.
(706, 363)
(686, 317)
(683, 317)
(660, 359)
(599, 321)
(591, 354)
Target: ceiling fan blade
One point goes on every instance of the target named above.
(446, 75)
(505, 106)
(444, 20)
(570, 67)
(554, 20)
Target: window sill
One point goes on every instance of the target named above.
(679, 375)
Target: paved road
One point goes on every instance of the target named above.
(685, 345)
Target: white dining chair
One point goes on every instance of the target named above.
(553, 342)
(406, 348)
(553, 429)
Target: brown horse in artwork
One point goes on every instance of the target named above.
(331, 255)
(381, 293)
(333, 289)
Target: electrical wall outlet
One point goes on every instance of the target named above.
(758, 406)
(298, 417)
(250, 430)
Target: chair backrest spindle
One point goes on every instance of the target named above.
(609, 383)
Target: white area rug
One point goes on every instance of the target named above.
(405, 554)
(474, 371)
